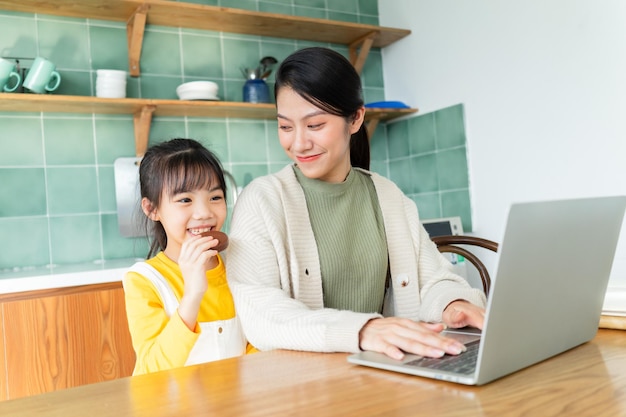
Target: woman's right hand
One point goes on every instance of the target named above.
(394, 336)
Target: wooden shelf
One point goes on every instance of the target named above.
(143, 110)
(137, 13)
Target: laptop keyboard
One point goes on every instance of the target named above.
(465, 363)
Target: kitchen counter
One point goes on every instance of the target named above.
(31, 279)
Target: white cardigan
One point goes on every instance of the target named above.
(273, 269)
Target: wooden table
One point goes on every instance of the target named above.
(589, 380)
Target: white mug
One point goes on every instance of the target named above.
(7, 71)
(42, 76)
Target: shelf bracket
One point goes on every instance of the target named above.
(365, 43)
(142, 120)
(135, 28)
(371, 128)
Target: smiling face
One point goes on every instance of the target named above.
(316, 140)
(188, 213)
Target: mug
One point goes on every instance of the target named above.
(7, 71)
(42, 77)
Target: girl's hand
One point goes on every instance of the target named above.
(462, 313)
(195, 258)
(393, 336)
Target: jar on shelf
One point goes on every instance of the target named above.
(256, 91)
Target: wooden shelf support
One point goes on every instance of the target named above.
(142, 120)
(135, 28)
(358, 57)
(371, 128)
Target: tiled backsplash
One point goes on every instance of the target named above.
(57, 199)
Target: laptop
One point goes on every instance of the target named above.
(552, 273)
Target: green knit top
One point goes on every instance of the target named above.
(348, 227)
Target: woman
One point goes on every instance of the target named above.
(327, 256)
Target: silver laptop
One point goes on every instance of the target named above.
(553, 269)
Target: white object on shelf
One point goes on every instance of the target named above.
(198, 90)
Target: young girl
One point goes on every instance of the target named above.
(180, 310)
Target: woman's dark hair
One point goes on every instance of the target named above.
(175, 166)
(326, 79)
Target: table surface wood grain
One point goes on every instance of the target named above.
(589, 380)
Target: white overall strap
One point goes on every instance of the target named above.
(170, 303)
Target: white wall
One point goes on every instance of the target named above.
(544, 89)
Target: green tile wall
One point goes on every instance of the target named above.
(57, 204)
(427, 158)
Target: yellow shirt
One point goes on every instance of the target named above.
(163, 342)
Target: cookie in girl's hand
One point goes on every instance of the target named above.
(220, 236)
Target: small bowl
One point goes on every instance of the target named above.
(198, 90)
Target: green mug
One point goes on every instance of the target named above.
(42, 77)
(7, 71)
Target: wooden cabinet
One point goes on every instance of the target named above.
(61, 338)
(137, 13)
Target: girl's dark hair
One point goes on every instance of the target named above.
(326, 79)
(175, 166)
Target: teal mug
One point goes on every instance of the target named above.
(7, 71)
(42, 77)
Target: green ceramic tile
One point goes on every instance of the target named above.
(75, 239)
(133, 89)
(450, 127)
(309, 12)
(273, 168)
(160, 87)
(18, 36)
(115, 246)
(212, 134)
(398, 135)
(278, 49)
(372, 95)
(428, 205)
(424, 171)
(21, 144)
(23, 192)
(380, 167)
(61, 135)
(106, 187)
(239, 4)
(72, 190)
(368, 7)
(240, 54)
(400, 173)
(368, 20)
(114, 138)
(67, 45)
(422, 137)
(347, 6)
(457, 203)
(378, 144)
(452, 169)
(245, 173)
(247, 142)
(205, 65)
(372, 74)
(160, 54)
(275, 8)
(109, 48)
(320, 4)
(233, 90)
(162, 130)
(343, 17)
(75, 83)
(18, 234)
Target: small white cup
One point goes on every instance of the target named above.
(111, 83)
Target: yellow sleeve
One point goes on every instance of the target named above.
(160, 342)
